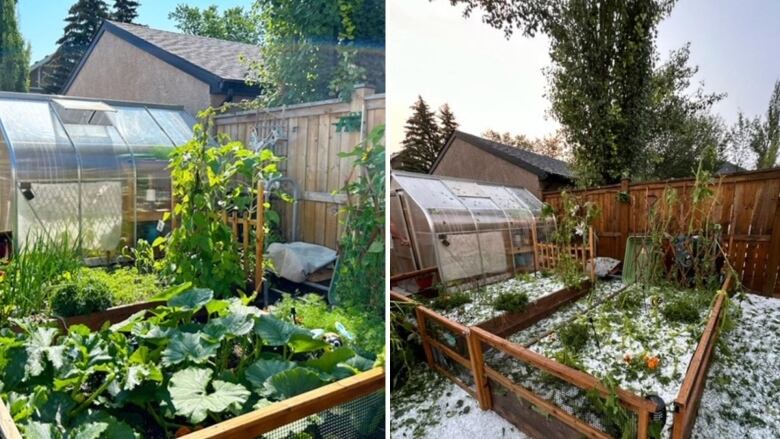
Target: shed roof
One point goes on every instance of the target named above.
(214, 61)
(539, 164)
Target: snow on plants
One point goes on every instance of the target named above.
(482, 306)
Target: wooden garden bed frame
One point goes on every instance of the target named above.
(250, 424)
(537, 416)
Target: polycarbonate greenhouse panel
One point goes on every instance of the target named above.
(478, 232)
(86, 168)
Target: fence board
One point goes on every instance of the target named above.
(747, 206)
(310, 141)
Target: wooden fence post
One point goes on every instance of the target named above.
(478, 368)
(624, 217)
(259, 235)
(424, 336)
(773, 261)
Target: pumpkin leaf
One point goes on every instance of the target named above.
(329, 360)
(273, 331)
(259, 372)
(295, 381)
(39, 345)
(305, 342)
(190, 396)
(188, 347)
(192, 300)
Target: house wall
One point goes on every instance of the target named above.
(464, 160)
(118, 70)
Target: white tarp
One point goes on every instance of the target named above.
(296, 260)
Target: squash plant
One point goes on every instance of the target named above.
(211, 177)
(194, 362)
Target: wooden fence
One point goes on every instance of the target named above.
(310, 137)
(747, 207)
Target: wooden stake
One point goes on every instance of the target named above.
(478, 368)
(259, 235)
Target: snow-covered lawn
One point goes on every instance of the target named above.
(743, 385)
(481, 308)
(431, 406)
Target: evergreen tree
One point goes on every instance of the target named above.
(125, 11)
(84, 20)
(422, 142)
(447, 123)
(14, 53)
(759, 137)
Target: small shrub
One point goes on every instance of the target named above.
(450, 300)
(511, 302)
(574, 336)
(81, 296)
(629, 299)
(682, 309)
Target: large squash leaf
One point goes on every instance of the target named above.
(305, 342)
(329, 360)
(259, 372)
(295, 381)
(188, 347)
(273, 331)
(192, 300)
(189, 393)
(40, 345)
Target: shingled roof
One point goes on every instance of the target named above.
(539, 164)
(211, 60)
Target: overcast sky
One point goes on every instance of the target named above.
(491, 82)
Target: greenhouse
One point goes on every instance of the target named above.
(87, 169)
(475, 233)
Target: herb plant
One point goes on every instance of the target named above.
(512, 302)
(192, 363)
(81, 295)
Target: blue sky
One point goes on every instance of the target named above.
(42, 20)
(490, 82)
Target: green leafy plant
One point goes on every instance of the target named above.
(210, 179)
(682, 309)
(194, 362)
(80, 296)
(512, 302)
(142, 255)
(126, 284)
(573, 218)
(574, 335)
(361, 275)
(450, 300)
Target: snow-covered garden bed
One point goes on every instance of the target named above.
(483, 301)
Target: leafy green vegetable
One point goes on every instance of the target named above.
(259, 372)
(188, 389)
(275, 332)
(186, 347)
(295, 381)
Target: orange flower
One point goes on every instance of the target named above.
(653, 362)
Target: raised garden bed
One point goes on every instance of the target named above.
(549, 398)
(210, 331)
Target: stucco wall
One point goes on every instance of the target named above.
(118, 70)
(464, 160)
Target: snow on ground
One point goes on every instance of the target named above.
(740, 399)
(743, 386)
(481, 309)
(431, 406)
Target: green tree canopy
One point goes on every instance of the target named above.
(620, 113)
(758, 138)
(14, 52)
(319, 49)
(83, 21)
(233, 24)
(125, 11)
(423, 139)
(447, 123)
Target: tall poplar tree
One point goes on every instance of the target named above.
(83, 21)
(14, 52)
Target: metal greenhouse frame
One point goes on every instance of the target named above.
(91, 170)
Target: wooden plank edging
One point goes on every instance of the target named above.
(290, 410)
(8, 429)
